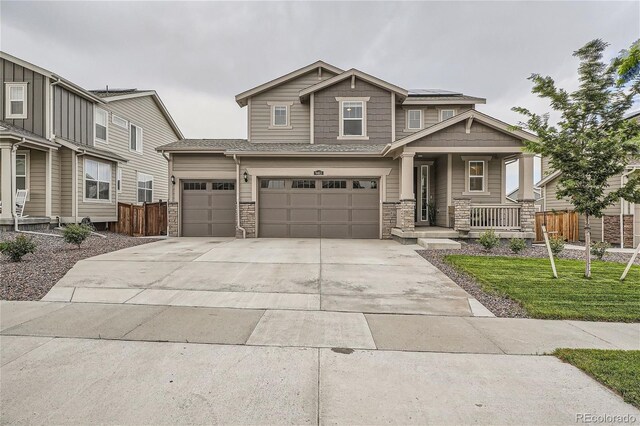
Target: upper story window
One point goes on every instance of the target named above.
(414, 119)
(135, 138)
(280, 115)
(353, 118)
(446, 114)
(16, 101)
(102, 118)
(145, 188)
(119, 121)
(97, 180)
(476, 176)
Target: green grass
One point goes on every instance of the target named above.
(530, 282)
(618, 370)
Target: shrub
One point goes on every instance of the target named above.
(76, 234)
(489, 239)
(599, 249)
(557, 245)
(517, 245)
(17, 248)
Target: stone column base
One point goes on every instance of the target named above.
(406, 215)
(389, 219)
(172, 219)
(527, 216)
(247, 220)
(462, 214)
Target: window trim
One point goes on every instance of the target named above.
(341, 135)
(25, 100)
(408, 127)
(118, 179)
(117, 117)
(138, 174)
(440, 111)
(467, 175)
(106, 125)
(84, 182)
(138, 143)
(272, 115)
(27, 171)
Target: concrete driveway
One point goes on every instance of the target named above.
(366, 276)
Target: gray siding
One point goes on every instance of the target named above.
(72, 116)
(37, 183)
(36, 120)
(200, 166)
(55, 183)
(430, 116)
(260, 111)
(441, 191)
(456, 136)
(66, 182)
(494, 180)
(327, 112)
(142, 112)
(98, 211)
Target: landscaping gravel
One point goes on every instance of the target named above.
(34, 276)
(500, 305)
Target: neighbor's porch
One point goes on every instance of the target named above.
(462, 194)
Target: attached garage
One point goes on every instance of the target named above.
(314, 208)
(208, 208)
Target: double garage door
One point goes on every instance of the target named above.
(314, 208)
(208, 208)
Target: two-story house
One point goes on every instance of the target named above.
(344, 154)
(77, 152)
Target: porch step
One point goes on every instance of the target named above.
(439, 244)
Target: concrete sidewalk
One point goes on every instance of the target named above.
(315, 329)
(86, 381)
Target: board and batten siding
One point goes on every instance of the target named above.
(144, 113)
(37, 84)
(327, 112)
(72, 116)
(97, 211)
(320, 163)
(430, 116)
(260, 110)
(200, 166)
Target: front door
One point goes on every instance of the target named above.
(422, 195)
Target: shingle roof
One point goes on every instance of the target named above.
(242, 145)
(6, 127)
(441, 99)
(115, 92)
(432, 92)
(92, 150)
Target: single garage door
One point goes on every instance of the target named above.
(313, 208)
(208, 208)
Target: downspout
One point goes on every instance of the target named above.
(244, 232)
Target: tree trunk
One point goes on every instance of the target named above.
(587, 248)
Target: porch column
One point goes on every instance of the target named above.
(525, 172)
(407, 207)
(5, 180)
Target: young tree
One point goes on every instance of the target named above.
(592, 142)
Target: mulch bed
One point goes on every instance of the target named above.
(34, 276)
(500, 305)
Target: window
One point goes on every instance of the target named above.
(102, 118)
(118, 121)
(145, 188)
(119, 180)
(21, 171)
(280, 116)
(135, 138)
(334, 184)
(97, 180)
(446, 114)
(365, 184)
(271, 184)
(303, 184)
(16, 102)
(352, 118)
(195, 186)
(414, 119)
(476, 176)
(223, 185)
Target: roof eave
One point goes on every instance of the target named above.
(353, 73)
(436, 101)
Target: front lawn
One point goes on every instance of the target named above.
(529, 282)
(618, 370)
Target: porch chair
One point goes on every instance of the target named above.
(21, 200)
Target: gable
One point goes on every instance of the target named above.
(456, 135)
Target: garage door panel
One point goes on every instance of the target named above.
(196, 216)
(195, 229)
(329, 208)
(208, 208)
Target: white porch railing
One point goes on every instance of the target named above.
(495, 216)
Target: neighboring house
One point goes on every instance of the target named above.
(77, 152)
(537, 196)
(343, 154)
(620, 222)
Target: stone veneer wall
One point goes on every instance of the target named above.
(462, 214)
(389, 218)
(611, 228)
(527, 216)
(172, 219)
(247, 220)
(406, 215)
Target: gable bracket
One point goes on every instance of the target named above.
(468, 126)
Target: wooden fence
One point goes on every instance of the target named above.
(148, 219)
(559, 224)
